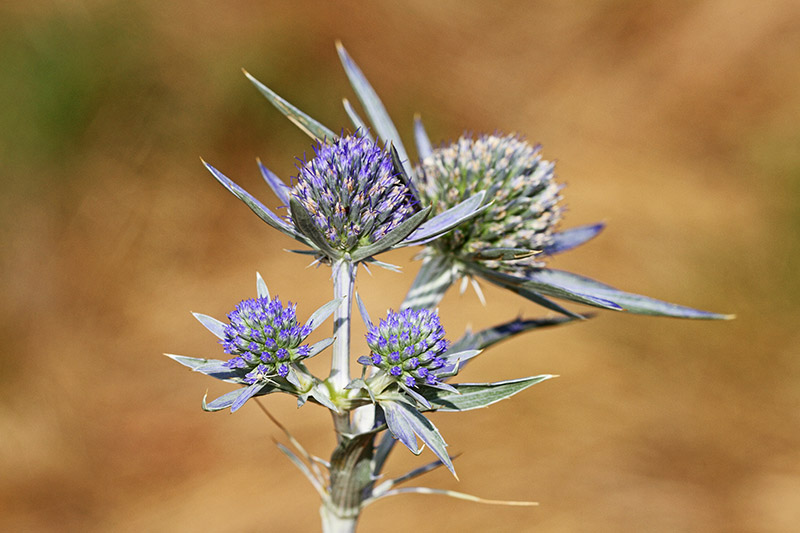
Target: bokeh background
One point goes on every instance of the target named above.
(677, 123)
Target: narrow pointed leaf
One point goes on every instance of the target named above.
(428, 433)
(451, 493)
(390, 483)
(216, 369)
(261, 287)
(382, 452)
(424, 147)
(257, 207)
(399, 426)
(246, 394)
(477, 395)
(292, 378)
(546, 303)
(303, 221)
(489, 336)
(308, 125)
(543, 284)
(502, 254)
(212, 324)
(320, 315)
(447, 220)
(432, 281)
(318, 346)
(569, 239)
(209, 367)
(358, 123)
(633, 303)
(414, 394)
(444, 386)
(320, 393)
(363, 310)
(281, 190)
(383, 265)
(372, 104)
(460, 356)
(223, 402)
(400, 171)
(315, 482)
(191, 362)
(400, 232)
(301, 252)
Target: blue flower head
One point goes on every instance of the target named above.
(264, 338)
(352, 193)
(408, 346)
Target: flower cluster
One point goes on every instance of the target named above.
(265, 338)
(408, 346)
(524, 195)
(352, 193)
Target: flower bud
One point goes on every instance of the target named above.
(351, 193)
(265, 338)
(408, 346)
(520, 184)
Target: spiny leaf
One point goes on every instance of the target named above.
(400, 232)
(569, 239)
(308, 125)
(372, 104)
(447, 220)
(477, 395)
(212, 324)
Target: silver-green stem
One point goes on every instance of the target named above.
(351, 461)
(344, 276)
(332, 523)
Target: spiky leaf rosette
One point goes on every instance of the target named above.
(351, 195)
(521, 186)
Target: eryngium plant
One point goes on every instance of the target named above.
(485, 207)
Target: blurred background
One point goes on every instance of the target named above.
(677, 123)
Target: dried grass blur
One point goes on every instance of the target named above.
(676, 122)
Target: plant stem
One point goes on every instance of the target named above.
(344, 276)
(332, 523)
(350, 464)
(351, 477)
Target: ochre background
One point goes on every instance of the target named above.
(677, 123)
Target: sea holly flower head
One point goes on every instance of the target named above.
(524, 211)
(266, 343)
(351, 194)
(265, 339)
(408, 346)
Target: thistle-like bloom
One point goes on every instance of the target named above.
(264, 338)
(353, 200)
(521, 186)
(268, 351)
(408, 346)
(352, 193)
